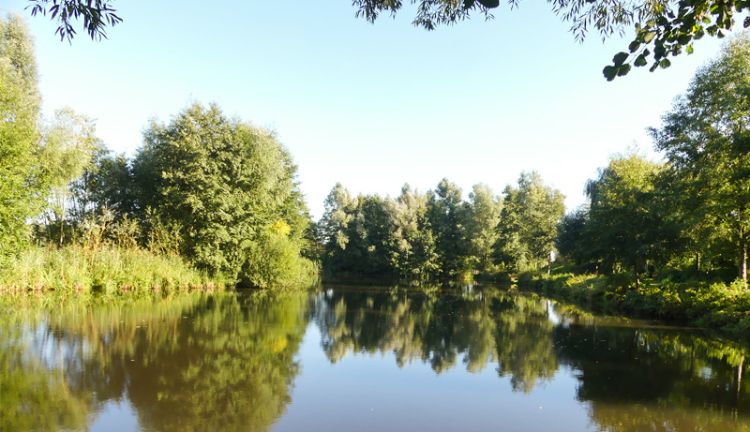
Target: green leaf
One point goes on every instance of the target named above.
(690, 49)
(620, 58)
(609, 72)
(640, 61)
(623, 70)
(490, 3)
(633, 47)
(649, 36)
(665, 63)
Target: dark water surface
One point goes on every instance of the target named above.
(362, 360)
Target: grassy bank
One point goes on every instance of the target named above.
(716, 305)
(75, 270)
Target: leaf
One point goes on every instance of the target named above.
(633, 47)
(665, 63)
(609, 72)
(623, 70)
(640, 61)
(690, 49)
(648, 36)
(490, 3)
(620, 58)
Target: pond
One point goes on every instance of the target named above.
(364, 359)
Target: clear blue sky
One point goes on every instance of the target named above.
(370, 106)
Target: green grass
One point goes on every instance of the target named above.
(715, 305)
(75, 270)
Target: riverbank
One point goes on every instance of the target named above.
(76, 270)
(717, 305)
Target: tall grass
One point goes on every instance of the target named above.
(109, 270)
(715, 305)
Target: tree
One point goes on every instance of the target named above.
(108, 183)
(230, 189)
(528, 223)
(572, 241)
(482, 224)
(706, 140)
(22, 186)
(413, 253)
(662, 28)
(69, 144)
(623, 226)
(447, 215)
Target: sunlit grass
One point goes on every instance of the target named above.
(75, 270)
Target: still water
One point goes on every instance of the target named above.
(345, 359)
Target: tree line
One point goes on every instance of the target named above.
(217, 191)
(689, 213)
(684, 217)
(437, 235)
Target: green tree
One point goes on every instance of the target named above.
(108, 183)
(230, 190)
(528, 223)
(706, 140)
(22, 186)
(482, 226)
(572, 241)
(623, 225)
(447, 214)
(413, 253)
(69, 144)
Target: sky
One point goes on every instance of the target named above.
(372, 106)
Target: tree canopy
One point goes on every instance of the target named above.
(662, 28)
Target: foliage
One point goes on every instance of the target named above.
(662, 28)
(75, 271)
(705, 138)
(22, 185)
(421, 238)
(96, 16)
(223, 185)
(528, 223)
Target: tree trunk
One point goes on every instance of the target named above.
(742, 264)
(62, 223)
(698, 262)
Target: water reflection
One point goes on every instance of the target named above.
(633, 377)
(230, 362)
(192, 363)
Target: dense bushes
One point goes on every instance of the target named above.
(716, 305)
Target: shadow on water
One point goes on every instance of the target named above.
(229, 361)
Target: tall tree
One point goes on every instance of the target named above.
(482, 226)
(529, 220)
(413, 251)
(231, 190)
(447, 214)
(623, 226)
(706, 139)
(21, 188)
(69, 144)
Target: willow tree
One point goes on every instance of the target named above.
(231, 191)
(21, 186)
(662, 28)
(706, 140)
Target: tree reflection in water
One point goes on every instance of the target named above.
(227, 361)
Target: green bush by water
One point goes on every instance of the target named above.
(715, 305)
